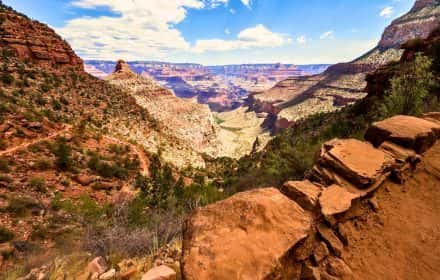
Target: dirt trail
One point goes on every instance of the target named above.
(144, 162)
(27, 144)
(402, 240)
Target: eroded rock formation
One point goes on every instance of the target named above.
(32, 41)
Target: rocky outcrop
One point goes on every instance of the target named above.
(244, 237)
(247, 235)
(32, 41)
(409, 132)
(423, 18)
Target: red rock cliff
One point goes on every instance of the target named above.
(32, 41)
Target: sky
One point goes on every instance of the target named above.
(218, 32)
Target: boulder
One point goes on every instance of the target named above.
(85, 180)
(335, 200)
(243, 237)
(97, 266)
(304, 193)
(357, 161)
(331, 239)
(339, 268)
(407, 131)
(309, 272)
(321, 252)
(6, 249)
(162, 272)
(111, 274)
(400, 153)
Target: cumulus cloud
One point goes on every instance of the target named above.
(254, 37)
(386, 12)
(247, 3)
(139, 29)
(301, 40)
(327, 35)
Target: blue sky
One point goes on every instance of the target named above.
(218, 31)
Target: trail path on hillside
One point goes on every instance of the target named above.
(27, 144)
(144, 162)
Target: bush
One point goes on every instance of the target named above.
(409, 89)
(20, 205)
(63, 154)
(43, 164)
(4, 165)
(5, 235)
(7, 78)
(38, 184)
(105, 169)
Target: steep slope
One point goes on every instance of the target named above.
(342, 84)
(189, 126)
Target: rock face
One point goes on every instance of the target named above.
(35, 42)
(243, 237)
(423, 18)
(410, 132)
(299, 97)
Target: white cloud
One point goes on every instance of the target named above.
(301, 40)
(232, 11)
(327, 35)
(227, 31)
(386, 12)
(254, 37)
(247, 3)
(141, 29)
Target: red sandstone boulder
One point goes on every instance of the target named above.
(162, 272)
(336, 200)
(356, 161)
(243, 237)
(407, 131)
(304, 193)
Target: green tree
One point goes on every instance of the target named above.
(63, 154)
(409, 88)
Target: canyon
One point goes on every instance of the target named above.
(222, 87)
(128, 170)
(299, 97)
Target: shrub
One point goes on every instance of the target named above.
(409, 89)
(7, 78)
(4, 165)
(38, 183)
(43, 164)
(20, 205)
(5, 235)
(56, 105)
(63, 154)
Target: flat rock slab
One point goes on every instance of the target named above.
(357, 161)
(335, 200)
(410, 132)
(304, 193)
(243, 237)
(161, 272)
